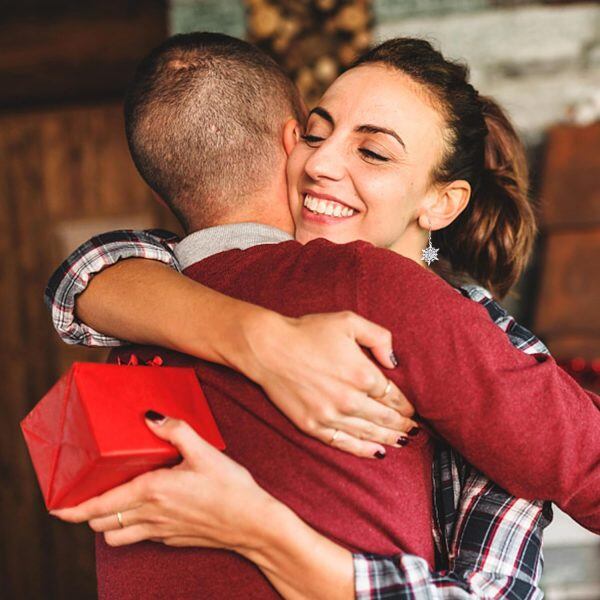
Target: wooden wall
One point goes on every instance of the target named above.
(567, 315)
(65, 174)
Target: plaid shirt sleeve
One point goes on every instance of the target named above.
(490, 543)
(101, 251)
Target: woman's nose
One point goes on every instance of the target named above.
(326, 162)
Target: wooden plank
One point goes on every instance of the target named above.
(55, 166)
(567, 315)
(68, 50)
(570, 194)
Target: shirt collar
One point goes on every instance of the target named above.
(236, 236)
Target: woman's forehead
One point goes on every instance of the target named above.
(378, 91)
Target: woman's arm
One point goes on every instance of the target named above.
(312, 368)
(211, 501)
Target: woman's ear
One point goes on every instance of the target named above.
(447, 204)
(291, 135)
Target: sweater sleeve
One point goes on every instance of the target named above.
(518, 418)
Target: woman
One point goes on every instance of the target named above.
(391, 172)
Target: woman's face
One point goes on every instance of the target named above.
(363, 169)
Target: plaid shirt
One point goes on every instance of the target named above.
(488, 542)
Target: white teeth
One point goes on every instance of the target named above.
(326, 207)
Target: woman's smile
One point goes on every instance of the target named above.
(321, 207)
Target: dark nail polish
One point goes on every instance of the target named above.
(154, 416)
(379, 454)
(394, 359)
(414, 431)
(402, 441)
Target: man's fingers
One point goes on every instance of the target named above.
(376, 338)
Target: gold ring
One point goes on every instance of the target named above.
(334, 436)
(388, 388)
(120, 519)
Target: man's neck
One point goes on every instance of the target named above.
(233, 236)
(268, 207)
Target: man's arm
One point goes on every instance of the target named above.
(519, 419)
(69, 282)
(495, 552)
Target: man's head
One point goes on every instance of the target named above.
(204, 118)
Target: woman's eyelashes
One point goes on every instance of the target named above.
(372, 156)
(311, 139)
(369, 155)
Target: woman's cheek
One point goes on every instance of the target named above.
(294, 172)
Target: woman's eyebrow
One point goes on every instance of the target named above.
(318, 110)
(377, 129)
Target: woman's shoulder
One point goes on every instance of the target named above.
(521, 337)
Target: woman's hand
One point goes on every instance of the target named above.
(209, 500)
(314, 370)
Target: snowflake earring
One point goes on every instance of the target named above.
(429, 254)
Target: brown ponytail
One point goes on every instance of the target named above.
(491, 240)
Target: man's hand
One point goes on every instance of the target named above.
(207, 500)
(314, 370)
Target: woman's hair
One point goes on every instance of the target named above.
(491, 240)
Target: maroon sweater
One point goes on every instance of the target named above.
(497, 406)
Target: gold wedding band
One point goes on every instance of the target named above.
(120, 519)
(334, 436)
(388, 388)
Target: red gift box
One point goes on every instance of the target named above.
(88, 434)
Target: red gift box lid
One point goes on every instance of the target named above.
(95, 415)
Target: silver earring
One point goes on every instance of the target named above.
(429, 254)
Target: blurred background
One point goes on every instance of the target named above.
(65, 174)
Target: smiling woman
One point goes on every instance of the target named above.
(402, 145)
(399, 145)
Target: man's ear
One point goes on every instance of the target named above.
(291, 135)
(447, 204)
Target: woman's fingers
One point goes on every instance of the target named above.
(374, 337)
(366, 431)
(129, 535)
(357, 447)
(394, 398)
(130, 517)
(125, 497)
(190, 445)
(376, 414)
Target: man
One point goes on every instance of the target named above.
(215, 181)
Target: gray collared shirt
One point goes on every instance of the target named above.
(236, 236)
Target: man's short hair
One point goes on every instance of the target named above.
(204, 117)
